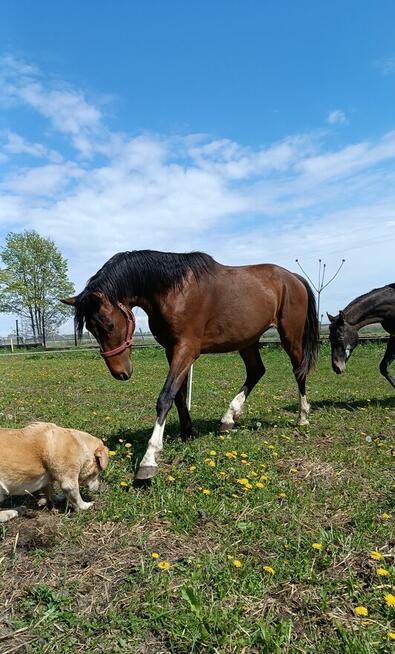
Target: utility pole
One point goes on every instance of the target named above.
(321, 284)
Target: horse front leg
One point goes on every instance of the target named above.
(181, 361)
(180, 400)
(388, 358)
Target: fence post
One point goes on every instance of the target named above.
(189, 394)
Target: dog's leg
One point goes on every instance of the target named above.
(71, 489)
(8, 514)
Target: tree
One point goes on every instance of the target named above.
(34, 279)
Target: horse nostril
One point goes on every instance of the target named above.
(123, 376)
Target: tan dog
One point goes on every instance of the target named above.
(42, 453)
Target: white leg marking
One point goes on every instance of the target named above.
(8, 515)
(304, 408)
(155, 446)
(235, 407)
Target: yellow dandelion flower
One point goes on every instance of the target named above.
(253, 474)
(155, 555)
(112, 453)
(170, 478)
(192, 468)
(213, 453)
(271, 447)
(210, 462)
(164, 565)
(316, 546)
(385, 516)
(375, 555)
(263, 478)
(222, 473)
(128, 445)
(282, 495)
(234, 452)
(391, 635)
(389, 599)
(222, 438)
(361, 611)
(244, 462)
(124, 484)
(244, 455)
(293, 470)
(269, 569)
(107, 418)
(259, 484)
(206, 491)
(120, 440)
(382, 572)
(230, 455)
(236, 563)
(128, 456)
(230, 557)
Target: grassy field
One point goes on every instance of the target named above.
(263, 538)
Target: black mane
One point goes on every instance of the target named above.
(142, 273)
(368, 295)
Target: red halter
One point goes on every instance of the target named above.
(131, 324)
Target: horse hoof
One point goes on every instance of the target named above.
(303, 422)
(144, 473)
(226, 426)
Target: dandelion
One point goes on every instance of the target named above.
(206, 491)
(361, 611)
(192, 468)
(112, 453)
(293, 470)
(120, 440)
(282, 495)
(230, 557)
(244, 455)
(236, 563)
(222, 473)
(124, 484)
(391, 635)
(385, 516)
(259, 484)
(170, 478)
(263, 478)
(155, 555)
(382, 572)
(316, 546)
(389, 599)
(243, 481)
(375, 555)
(244, 462)
(213, 453)
(210, 462)
(128, 445)
(230, 455)
(222, 438)
(269, 569)
(164, 565)
(253, 474)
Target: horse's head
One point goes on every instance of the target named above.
(111, 324)
(343, 338)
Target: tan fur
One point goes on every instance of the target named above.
(41, 454)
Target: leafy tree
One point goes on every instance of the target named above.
(34, 278)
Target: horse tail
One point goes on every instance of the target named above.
(311, 334)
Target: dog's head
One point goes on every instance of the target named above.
(96, 463)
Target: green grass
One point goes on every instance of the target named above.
(88, 583)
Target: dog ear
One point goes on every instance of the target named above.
(101, 454)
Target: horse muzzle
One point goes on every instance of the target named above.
(339, 367)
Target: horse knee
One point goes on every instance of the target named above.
(163, 405)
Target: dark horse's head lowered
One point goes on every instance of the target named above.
(343, 338)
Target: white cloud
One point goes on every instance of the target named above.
(337, 117)
(294, 198)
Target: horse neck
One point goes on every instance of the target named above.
(366, 310)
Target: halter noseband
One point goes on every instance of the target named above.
(131, 324)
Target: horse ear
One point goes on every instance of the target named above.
(341, 317)
(68, 300)
(330, 317)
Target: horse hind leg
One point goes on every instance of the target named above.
(388, 358)
(255, 370)
(294, 349)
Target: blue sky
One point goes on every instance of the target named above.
(256, 131)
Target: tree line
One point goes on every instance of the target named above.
(34, 277)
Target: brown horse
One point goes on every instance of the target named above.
(197, 306)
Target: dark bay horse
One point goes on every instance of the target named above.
(197, 306)
(373, 307)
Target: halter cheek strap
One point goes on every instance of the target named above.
(131, 324)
